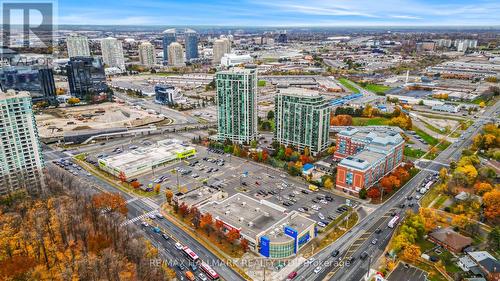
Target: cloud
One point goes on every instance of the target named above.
(406, 17)
(281, 12)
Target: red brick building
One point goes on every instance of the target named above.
(366, 154)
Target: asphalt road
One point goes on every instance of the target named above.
(177, 116)
(364, 230)
(139, 209)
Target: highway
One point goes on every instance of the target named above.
(358, 239)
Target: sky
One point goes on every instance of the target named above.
(281, 12)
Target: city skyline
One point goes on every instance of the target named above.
(282, 13)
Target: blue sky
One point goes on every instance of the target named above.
(280, 12)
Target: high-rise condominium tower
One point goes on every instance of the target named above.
(112, 53)
(302, 119)
(169, 37)
(147, 54)
(77, 46)
(237, 105)
(191, 44)
(20, 152)
(175, 56)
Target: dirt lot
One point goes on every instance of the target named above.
(54, 122)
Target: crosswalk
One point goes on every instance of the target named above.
(132, 220)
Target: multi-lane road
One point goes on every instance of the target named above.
(139, 209)
(359, 238)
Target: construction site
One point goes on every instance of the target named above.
(55, 122)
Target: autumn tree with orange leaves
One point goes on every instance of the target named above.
(111, 202)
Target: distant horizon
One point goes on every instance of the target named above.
(279, 13)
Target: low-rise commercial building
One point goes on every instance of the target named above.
(366, 154)
(234, 59)
(270, 229)
(145, 159)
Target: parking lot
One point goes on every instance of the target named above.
(232, 174)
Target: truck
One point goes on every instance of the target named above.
(393, 222)
(312, 187)
(427, 186)
(190, 276)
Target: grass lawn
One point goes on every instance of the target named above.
(434, 129)
(376, 88)
(441, 117)
(428, 138)
(443, 145)
(345, 83)
(440, 201)
(335, 233)
(364, 121)
(261, 83)
(427, 199)
(413, 153)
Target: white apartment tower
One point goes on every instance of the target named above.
(175, 54)
(77, 46)
(20, 152)
(112, 53)
(147, 55)
(220, 48)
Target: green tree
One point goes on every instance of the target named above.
(363, 193)
(270, 115)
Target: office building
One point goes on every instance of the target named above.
(77, 46)
(366, 154)
(191, 44)
(21, 160)
(169, 37)
(38, 81)
(234, 60)
(236, 99)
(282, 38)
(302, 119)
(175, 54)
(165, 94)
(86, 78)
(112, 53)
(270, 229)
(147, 54)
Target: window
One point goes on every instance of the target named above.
(349, 178)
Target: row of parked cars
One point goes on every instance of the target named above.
(69, 166)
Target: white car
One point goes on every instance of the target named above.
(310, 261)
(321, 224)
(301, 210)
(202, 277)
(178, 246)
(320, 215)
(323, 201)
(145, 224)
(317, 269)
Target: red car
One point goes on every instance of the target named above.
(292, 274)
